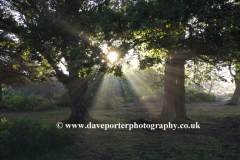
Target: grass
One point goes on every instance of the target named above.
(218, 137)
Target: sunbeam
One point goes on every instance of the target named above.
(140, 84)
(109, 94)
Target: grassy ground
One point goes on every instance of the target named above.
(218, 138)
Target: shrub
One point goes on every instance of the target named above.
(16, 102)
(23, 102)
(193, 95)
(62, 100)
(28, 139)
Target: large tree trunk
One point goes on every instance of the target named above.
(77, 88)
(174, 92)
(168, 112)
(79, 112)
(180, 92)
(235, 98)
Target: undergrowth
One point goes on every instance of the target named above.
(28, 139)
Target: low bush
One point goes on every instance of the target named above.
(62, 100)
(19, 101)
(27, 139)
(23, 102)
(193, 95)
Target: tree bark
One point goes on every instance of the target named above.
(236, 94)
(168, 112)
(235, 98)
(76, 90)
(180, 91)
(174, 92)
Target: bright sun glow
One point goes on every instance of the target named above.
(112, 56)
(134, 63)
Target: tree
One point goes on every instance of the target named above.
(50, 31)
(204, 76)
(235, 98)
(14, 71)
(179, 31)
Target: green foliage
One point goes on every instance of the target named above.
(200, 72)
(61, 100)
(23, 102)
(18, 100)
(28, 139)
(13, 69)
(193, 95)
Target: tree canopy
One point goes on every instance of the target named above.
(50, 31)
(13, 69)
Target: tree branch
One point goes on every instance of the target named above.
(59, 74)
(22, 4)
(190, 30)
(230, 70)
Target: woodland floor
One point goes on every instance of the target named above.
(217, 138)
